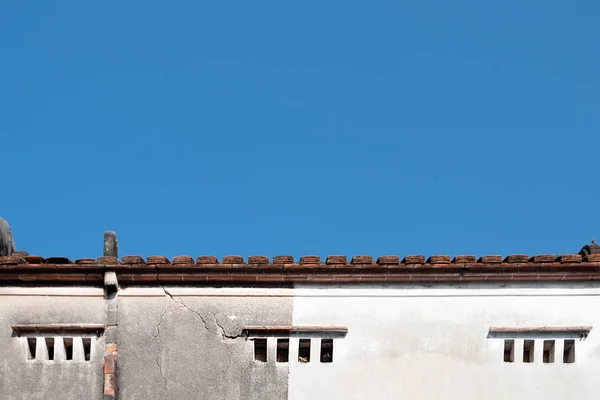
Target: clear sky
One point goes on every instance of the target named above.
(293, 128)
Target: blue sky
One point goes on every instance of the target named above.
(319, 127)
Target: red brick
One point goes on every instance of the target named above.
(258, 260)
(232, 260)
(415, 259)
(157, 260)
(207, 260)
(310, 260)
(464, 259)
(108, 260)
(283, 260)
(439, 260)
(180, 260)
(544, 258)
(388, 260)
(517, 258)
(362, 260)
(570, 258)
(336, 260)
(490, 259)
(133, 260)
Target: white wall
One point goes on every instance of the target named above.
(432, 343)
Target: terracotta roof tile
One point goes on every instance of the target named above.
(206, 260)
(133, 260)
(464, 259)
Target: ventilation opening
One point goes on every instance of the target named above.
(283, 347)
(304, 350)
(260, 350)
(548, 355)
(87, 348)
(569, 352)
(326, 350)
(509, 351)
(68, 348)
(50, 347)
(31, 345)
(528, 351)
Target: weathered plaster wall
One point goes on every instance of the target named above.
(432, 343)
(186, 346)
(47, 380)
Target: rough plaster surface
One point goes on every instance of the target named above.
(433, 343)
(46, 380)
(187, 347)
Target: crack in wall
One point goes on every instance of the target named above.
(159, 349)
(221, 329)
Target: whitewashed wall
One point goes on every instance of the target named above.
(432, 343)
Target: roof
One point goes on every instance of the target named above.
(21, 268)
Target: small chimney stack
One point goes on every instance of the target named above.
(7, 245)
(588, 249)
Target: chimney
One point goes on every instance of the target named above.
(7, 246)
(590, 249)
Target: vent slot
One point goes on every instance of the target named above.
(87, 348)
(569, 352)
(548, 355)
(326, 350)
(283, 350)
(260, 350)
(31, 348)
(304, 350)
(68, 348)
(509, 351)
(528, 348)
(50, 347)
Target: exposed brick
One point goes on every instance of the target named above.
(570, 258)
(157, 260)
(179, 260)
(283, 260)
(207, 260)
(544, 258)
(362, 260)
(232, 260)
(21, 254)
(108, 260)
(592, 258)
(414, 259)
(110, 362)
(310, 260)
(388, 260)
(490, 259)
(439, 259)
(464, 259)
(133, 260)
(517, 258)
(258, 260)
(336, 260)
(110, 383)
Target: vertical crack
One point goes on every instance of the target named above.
(159, 348)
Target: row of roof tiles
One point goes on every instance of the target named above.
(24, 258)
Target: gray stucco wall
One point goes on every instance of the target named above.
(21, 379)
(188, 347)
